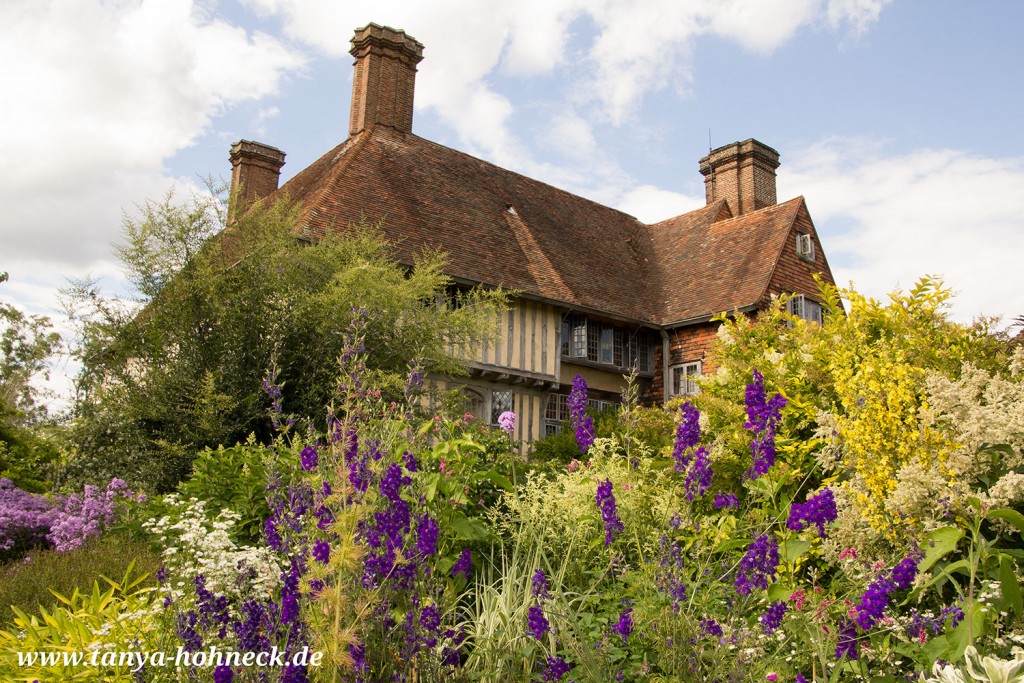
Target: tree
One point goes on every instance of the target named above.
(219, 312)
(27, 343)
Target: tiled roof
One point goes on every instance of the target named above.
(710, 262)
(501, 228)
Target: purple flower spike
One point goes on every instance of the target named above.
(819, 510)
(582, 423)
(309, 458)
(556, 668)
(606, 502)
(322, 551)
(758, 565)
(762, 416)
(625, 624)
(536, 623)
(464, 565)
(687, 436)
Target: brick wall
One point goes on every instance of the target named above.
(686, 344)
(794, 274)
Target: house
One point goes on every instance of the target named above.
(598, 291)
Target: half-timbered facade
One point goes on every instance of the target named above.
(598, 291)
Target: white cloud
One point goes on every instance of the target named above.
(889, 219)
(102, 94)
(628, 52)
(652, 204)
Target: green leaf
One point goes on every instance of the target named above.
(467, 529)
(731, 543)
(939, 543)
(430, 485)
(1007, 515)
(498, 479)
(1011, 588)
(795, 549)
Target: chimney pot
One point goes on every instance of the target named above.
(742, 173)
(255, 172)
(384, 78)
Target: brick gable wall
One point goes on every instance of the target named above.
(794, 274)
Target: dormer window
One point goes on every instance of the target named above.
(805, 246)
(805, 309)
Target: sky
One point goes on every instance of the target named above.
(897, 120)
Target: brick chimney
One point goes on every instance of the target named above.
(385, 75)
(743, 173)
(255, 172)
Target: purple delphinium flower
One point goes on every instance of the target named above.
(273, 538)
(874, 601)
(322, 551)
(711, 628)
(309, 458)
(726, 500)
(687, 436)
(699, 477)
(555, 669)
(507, 422)
(536, 622)
(186, 626)
(904, 573)
(846, 644)
(539, 585)
(451, 655)
(758, 565)
(772, 618)
(762, 416)
(357, 651)
(624, 626)
(668, 577)
(414, 382)
(464, 565)
(409, 460)
(582, 423)
(294, 674)
(819, 510)
(430, 623)
(606, 502)
(223, 674)
(876, 598)
(426, 536)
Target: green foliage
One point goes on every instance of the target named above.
(221, 309)
(27, 343)
(119, 613)
(233, 478)
(29, 583)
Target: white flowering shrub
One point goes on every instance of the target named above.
(198, 545)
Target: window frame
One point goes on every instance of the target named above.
(683, 377)
(805, 246)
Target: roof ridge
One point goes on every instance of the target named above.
(355, 145)
(528, 178)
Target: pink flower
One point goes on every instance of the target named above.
(848, 554)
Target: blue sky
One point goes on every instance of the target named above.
(898, 121)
